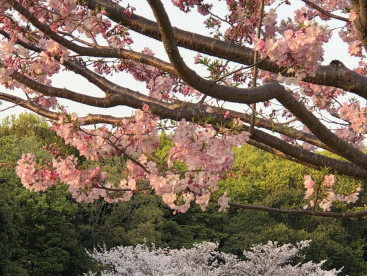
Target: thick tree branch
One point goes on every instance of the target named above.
(117, 95)
(191, 113)
(360, 23)
(299, 212)
(111, 88)
(338, 146)
(325, 12)
(232, 94)
(86, 120)
(279, 153)
(305, 156)
(330, 75)
(287, 131)
(299, 110)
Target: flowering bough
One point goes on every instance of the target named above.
(202, 259)
(301, 103)
(326, 188)
(137, 139)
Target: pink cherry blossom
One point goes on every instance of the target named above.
(40, 39)
(223, 202)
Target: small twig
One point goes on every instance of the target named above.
(239, 69)
(120, 190)
(74, 38)
(255, 71)
(128, 156)
(122, 151)
(202, 100)
(299, 212)
(220, 19)
(287, 122)
(9, 107)
(30, 100)
(325, 12)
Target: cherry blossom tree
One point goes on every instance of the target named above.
(202, 259)
(257, 78)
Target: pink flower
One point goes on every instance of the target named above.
(227, 115)
(196, 58)
(223, 202)
(308, 182)
(329, 180)
(259, 46)
(145, 107)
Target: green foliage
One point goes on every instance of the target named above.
(12, 148)
(275, 182)
(47, 233)
(145, 218)
(37, 231)
(26, 124)
(256, 174)
(38, 237)
(165, 144)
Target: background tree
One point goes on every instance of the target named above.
(38, 230)
(202, 259)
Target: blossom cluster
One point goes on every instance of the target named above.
(202, 171)
(86, 185)
(355, 115)
(61, 17)
(133, 136)
(34, 177)
(323, 97)
(137, 139)
(325, 202)
(292, 50)
(187, 5)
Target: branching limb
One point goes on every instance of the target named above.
(339, 77)
(231, 94)
(337, 145)
(299, 212)
(325, 12)
(256, 69)
(190, 113)
(286, 99)
(28, 105)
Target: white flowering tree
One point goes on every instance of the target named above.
(202, 259)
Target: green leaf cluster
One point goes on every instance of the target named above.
(275, 182)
